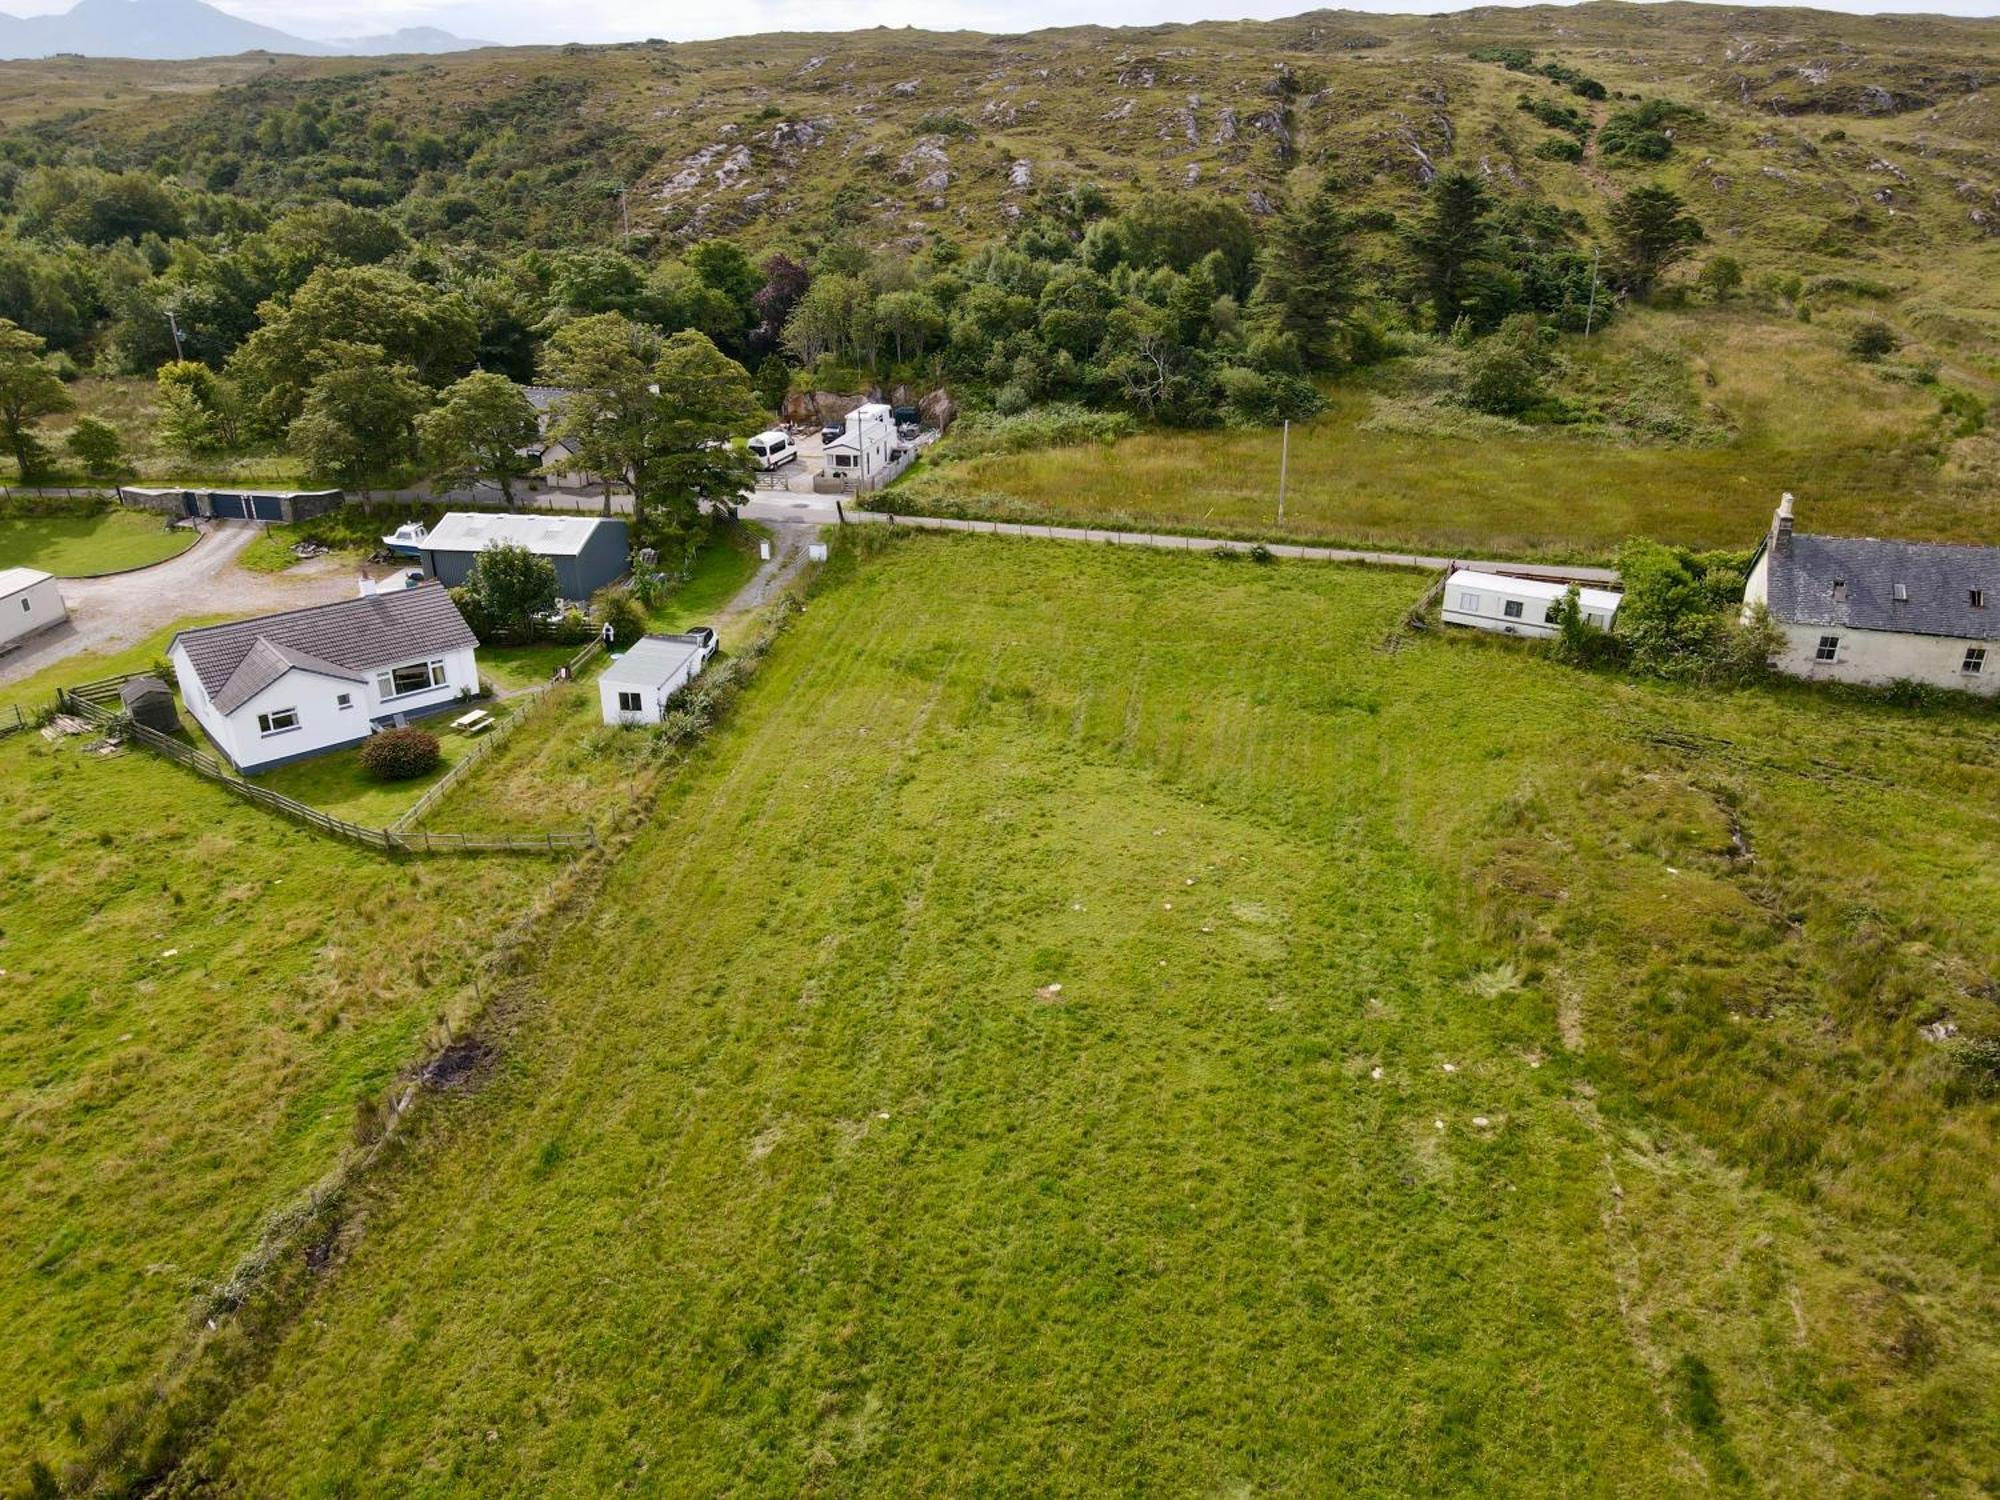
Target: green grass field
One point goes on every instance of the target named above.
(1051, 1040)
(195, 996)
(82, 546)
(1785, 409)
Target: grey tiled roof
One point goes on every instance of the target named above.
(1851, 582)
(235, 662)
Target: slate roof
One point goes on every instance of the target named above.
(1850, 582)
(650, 661)
(540, 532)
(237, 661)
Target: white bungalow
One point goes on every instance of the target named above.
(283, 687)
(1519, 606)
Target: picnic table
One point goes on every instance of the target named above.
(476, 722)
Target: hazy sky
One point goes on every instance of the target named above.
(626, 20)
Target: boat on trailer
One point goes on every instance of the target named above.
(407, 540)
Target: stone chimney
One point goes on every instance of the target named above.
(1781, 526)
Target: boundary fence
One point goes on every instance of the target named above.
(12, 720)
(90, 700)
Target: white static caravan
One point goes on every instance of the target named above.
(29, 601)
(1519, 606)
(635, 688)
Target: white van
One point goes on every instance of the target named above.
(772, 450)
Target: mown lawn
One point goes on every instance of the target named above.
(83, 546)
(336, 783)
(194, 996)
(1050, 1040)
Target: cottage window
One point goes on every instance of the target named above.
(343, 700)
(1975, 661)
(1469, 603)
(630, 703)
(1512, 609)
(417, 677)
(1902, 593)
(26, 605)
(278, 721)
(1977, 597)
(1829, 648)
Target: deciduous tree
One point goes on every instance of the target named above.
(478, 430)
(29, 389)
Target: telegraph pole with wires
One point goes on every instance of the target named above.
(1590, 315)
(1284, 463)
(175, 328)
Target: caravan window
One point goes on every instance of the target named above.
(630, 703)
(1512, 609)
(1554, 609)
(1469, 603)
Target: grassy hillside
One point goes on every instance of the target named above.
(1051, 1040)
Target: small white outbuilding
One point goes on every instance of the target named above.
(30, 600)
(635, 688)
(1519, 606)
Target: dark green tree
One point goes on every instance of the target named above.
(1451, 238)
(1653, 230)
(29, 388)
(1308, 286)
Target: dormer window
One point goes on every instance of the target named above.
(1839, 589)
(1977, 598)
(1902, 592)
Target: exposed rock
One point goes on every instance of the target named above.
(1021, 175)
(938, 409)
(811, 65)
(999, 112)
(907, 89)
(1260, 205)
(1119, 111)
(1225, 126)
(1192, 175)
(1879, 165)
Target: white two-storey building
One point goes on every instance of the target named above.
(283, 687)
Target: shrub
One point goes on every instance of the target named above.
(1262, 554)
(1560, 148)
(1871, 340)
(399, 754)
(1057, 425)
(617, 608)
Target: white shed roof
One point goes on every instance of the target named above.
(1544, 589)
(14, 580)
(651, 661)
(550, 536)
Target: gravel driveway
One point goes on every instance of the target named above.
(108, 614)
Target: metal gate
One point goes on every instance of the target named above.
(267, 508)
(226, 507)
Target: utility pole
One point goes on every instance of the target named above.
(176, 328)
(1590, 316)
(1284, 463)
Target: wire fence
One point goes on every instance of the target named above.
(12, 720)
(93, 700)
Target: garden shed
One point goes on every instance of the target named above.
(635, 688)
(150, 702)
(588, 551)
(30, 600)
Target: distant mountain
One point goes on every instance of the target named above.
(166, 29)
(409, 39)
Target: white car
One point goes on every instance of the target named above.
(773, 449)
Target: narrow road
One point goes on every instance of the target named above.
(820, 509)
(111, 613)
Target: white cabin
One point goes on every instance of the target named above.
(860, 454)
(1519, 606)
(635, 688)
(30, 600)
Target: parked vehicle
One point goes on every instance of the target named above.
(703, 638)
(772, 450)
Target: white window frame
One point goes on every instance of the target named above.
(343, 700)
(1468, 603)
(268, 725)
(1974, 662)
(631, 703)
(1827, 651)
(385, 680)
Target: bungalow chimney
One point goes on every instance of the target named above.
(1781, 525)
(368, 585)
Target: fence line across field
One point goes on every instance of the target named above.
(88, 701)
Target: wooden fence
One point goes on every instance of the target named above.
(92, 700)
(12, 720)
